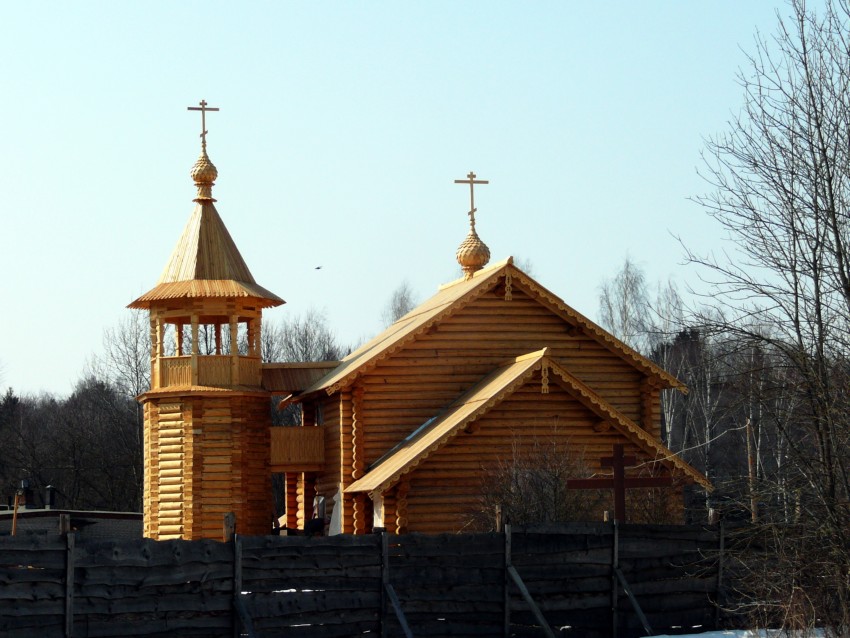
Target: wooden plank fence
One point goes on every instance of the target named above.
(589, 580)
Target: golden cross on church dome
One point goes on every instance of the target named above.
(470, 179)
(203, 109)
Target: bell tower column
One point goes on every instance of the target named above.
(207, 417)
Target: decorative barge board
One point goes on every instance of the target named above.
(207, 418)
(411, 448)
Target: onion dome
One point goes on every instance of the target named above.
(204, 174)
(472, 254)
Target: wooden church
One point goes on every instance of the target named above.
(402, 432)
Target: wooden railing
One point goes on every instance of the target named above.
(175, 371)
(297, 449)
(249, 371)
(213, 370)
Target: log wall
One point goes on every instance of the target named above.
(206, 456)
(451, 585)
(446, 488)
(413, 385)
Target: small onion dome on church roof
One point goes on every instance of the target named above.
(204, 173)
(472, 254)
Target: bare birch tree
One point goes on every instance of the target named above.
(780, 188)
(401, 302)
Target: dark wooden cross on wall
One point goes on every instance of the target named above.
(470, 179)
(619, 482)
(203, 108)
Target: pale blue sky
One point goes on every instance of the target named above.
(341, 130)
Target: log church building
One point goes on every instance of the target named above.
(401, 433)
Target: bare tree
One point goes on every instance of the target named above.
(304, 337)
(401, 302)
(624, 308)
(126, 358)
(530, 486)
(780, 188)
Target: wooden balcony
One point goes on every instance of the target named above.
(297, 449)
(213, 370)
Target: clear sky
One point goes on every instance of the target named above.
(341, 130)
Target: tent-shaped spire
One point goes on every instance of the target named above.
(206, 261)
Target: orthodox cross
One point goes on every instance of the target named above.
(203, 109)
(470, 179)
(618, 482)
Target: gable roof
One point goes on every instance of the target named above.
(452, 297)
(206, 263)
(491, 391)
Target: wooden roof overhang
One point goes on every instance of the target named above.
(202, 390)
(492, 390)
(451, 298)
(206, 264)
(207, 289)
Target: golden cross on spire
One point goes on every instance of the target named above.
(203, 109)
(470, 179)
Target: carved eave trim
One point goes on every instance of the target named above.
(625, 425)
(608, 340)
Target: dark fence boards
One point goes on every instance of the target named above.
(301, 586)
(448, 585)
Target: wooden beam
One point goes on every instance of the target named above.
(69, 585)
(531, 603)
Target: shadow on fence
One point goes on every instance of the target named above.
(589, 580)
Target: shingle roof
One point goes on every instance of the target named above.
(206, 263)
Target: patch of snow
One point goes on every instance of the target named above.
(748, 633)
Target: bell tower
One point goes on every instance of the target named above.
(207, 417)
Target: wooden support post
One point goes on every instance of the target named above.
(64, 523)
(506, 585)
(388, 592)
(69, 585)
(544, 625)
(234, 350)
(156, 352)
(195, 349)
(721, 598)
(291, 500)
(641, 616)
(615, 566)
(229, 530)
(15, 514)
(385, 579)
(514, 575)
(241, 617)
(617, 579)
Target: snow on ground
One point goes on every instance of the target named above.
(746, 633)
